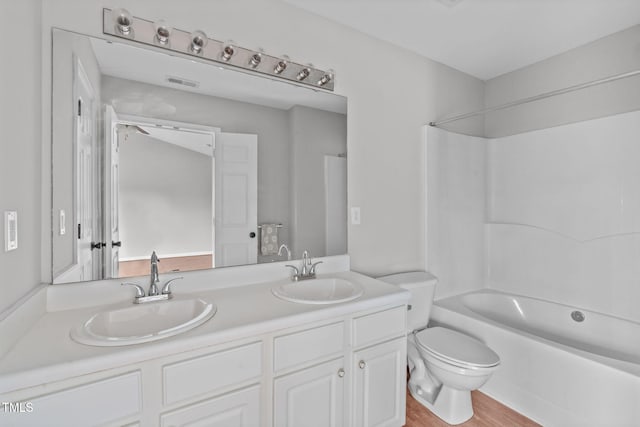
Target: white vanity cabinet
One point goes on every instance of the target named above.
(345, 370)
(379, 385)
(311, 397)
(364, 386)
(217, 386)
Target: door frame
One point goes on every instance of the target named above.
(131, 119)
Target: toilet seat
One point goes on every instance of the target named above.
(456, 348)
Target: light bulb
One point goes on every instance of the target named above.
(228, 50)
(198, 41)
(255, 60)
(123, 21)
(303, 74)
(281, 65)
(163, 32)
(328, 76)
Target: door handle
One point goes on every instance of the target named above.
(118, 243)
(98, 245)
(252, 234)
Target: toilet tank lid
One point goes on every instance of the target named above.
(409, 278)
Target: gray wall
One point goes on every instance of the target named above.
(384, 123)
(314, 134)
(270, 124)
(66, 48)
(20, 144)
(165, 198)
(386, 112)
(611, 55)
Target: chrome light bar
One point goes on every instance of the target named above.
(120, 23)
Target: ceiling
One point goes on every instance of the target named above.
(484, 38)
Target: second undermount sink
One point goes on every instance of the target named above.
(143, 323)
(318, 291)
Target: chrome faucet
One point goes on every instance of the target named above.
(286, 248)
(153, 294)
(306, 271)
(153, 288)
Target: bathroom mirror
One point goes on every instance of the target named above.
(207, 166)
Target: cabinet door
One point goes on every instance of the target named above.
(313, 397)
(380, 382)
(236, 409)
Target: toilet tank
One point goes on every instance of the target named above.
(422, 286)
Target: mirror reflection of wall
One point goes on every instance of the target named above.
(160, 189)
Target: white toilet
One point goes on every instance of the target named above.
(444, 365)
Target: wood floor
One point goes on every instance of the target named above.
(487, 413)
(166, 265)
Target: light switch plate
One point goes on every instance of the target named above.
(63, 223)
(10, 230)
(355, 215)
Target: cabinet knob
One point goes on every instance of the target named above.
(362, 364)
(341, 372)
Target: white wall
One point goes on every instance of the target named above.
(387, 108)
(20, 147)
(314, 134)
(456, 194)
(165, 199)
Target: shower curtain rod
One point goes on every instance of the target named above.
(536, 97)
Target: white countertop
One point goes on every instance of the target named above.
(46, 353)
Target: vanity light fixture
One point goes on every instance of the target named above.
(255, 60)
(198, 42)
(226, 54)
(281, 65)
(228, 51)
(326, 78)
(303, 74)
(163, 32)
(123, 21)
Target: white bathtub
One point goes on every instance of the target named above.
(555, 370)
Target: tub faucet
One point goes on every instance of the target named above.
(153, 287)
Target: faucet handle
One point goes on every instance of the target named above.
(312, 270)
(166, 289)
(139, 290)
(295, 270)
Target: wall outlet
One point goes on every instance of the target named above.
(355, 215)
(10, 230)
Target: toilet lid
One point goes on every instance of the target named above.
(458, 348)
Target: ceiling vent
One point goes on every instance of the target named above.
(449, 3)
(181, 81)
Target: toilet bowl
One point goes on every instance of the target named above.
(444, 365)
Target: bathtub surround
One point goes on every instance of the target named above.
(562, 222)
(456, 188)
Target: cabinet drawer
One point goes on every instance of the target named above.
(305, 346)
(204, 374)
(237, 409)
(96, 403)
(379, 326)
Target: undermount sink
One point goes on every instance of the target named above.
(318, 291)
(143, 323)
